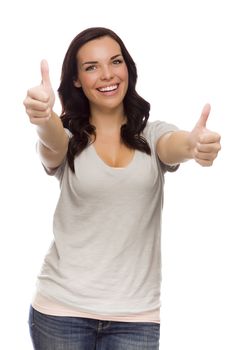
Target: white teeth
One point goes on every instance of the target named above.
(108, 88)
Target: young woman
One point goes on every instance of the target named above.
(99, 287)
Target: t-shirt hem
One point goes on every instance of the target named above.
(53, 308)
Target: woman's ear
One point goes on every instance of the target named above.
(77, 83)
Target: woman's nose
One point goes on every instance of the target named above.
(106, 73)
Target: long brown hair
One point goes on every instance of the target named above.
(75, 105)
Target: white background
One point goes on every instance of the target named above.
(187, 53)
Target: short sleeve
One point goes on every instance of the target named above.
(152, 132)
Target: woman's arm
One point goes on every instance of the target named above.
(200, 144)
(53, 140)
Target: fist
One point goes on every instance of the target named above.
(39, 101)
(204, 144)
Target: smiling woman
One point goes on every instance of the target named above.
(98, 97)
(102, 72)
(100, 281)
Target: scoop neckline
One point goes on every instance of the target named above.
(101, 161)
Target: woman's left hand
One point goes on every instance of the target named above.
(204, 144)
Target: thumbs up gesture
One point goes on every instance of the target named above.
(204, 144)
(39, 101)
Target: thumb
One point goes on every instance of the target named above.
(45, 74)
(204, 116)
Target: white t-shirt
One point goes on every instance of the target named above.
(106, 254)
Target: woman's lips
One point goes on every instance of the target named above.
(108, 90)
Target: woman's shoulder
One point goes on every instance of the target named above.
(156, 128)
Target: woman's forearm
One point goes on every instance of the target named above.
(174, 148)
(53, 141)
(52, 134)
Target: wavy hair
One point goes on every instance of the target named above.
(75, 105)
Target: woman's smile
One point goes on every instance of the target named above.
(109, 90)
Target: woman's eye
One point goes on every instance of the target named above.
(90, 68)
(118, 61)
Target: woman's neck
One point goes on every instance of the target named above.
(107, 121)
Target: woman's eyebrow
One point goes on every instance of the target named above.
(113, 57)
(95, 62)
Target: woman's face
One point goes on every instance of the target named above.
(102, 73)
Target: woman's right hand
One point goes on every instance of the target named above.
(39, 101)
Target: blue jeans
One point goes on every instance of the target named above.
(76, 333)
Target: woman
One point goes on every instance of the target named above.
(99, 287)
